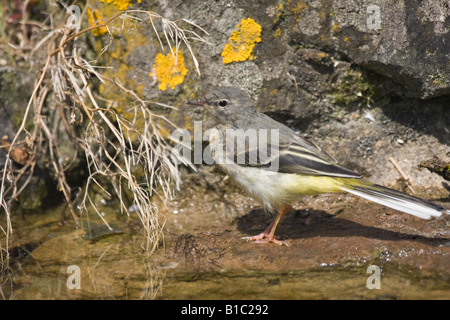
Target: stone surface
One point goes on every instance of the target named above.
(363, 93)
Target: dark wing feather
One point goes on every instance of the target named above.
(294, 158)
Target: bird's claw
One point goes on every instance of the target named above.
(265, 238)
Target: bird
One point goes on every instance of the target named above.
(287, 166)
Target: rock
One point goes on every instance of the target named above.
(16, 86)
(331, 73)
(13, 84)
(331, 70)
(407, 42)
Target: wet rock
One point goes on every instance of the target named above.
(16, 87)
(13, 84)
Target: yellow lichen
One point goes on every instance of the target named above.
(170, 70)
(119, 57)
(188, 123)
(123, 75)
(277, 33)
(242, 41)
(297, 7)
(278, 12)
(121, 4)
(96, 18)
(336, 27)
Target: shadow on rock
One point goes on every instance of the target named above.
(307, 223)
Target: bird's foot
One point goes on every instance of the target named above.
(265, 237)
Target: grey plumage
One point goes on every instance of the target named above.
(301, 166)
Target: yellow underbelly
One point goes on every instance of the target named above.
(275, 189)
(314, 184)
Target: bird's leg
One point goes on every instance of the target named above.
(268, 235)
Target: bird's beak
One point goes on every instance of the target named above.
(198, 102)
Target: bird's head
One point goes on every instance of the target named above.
(227, 104)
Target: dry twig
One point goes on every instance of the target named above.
(404, 176)
(106, 141)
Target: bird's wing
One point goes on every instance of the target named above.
(297, 156)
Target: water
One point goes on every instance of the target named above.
(112, 265)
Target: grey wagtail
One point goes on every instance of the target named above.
(302, 168)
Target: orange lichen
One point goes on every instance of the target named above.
(242, 42)
(95, 18)
(121, 4)
(169, 70)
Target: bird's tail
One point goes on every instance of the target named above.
(394, 199)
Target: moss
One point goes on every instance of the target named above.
(438, 166)
(437, 78)
(242, 42)
(352, 87)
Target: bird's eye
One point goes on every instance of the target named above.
(223, 103)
